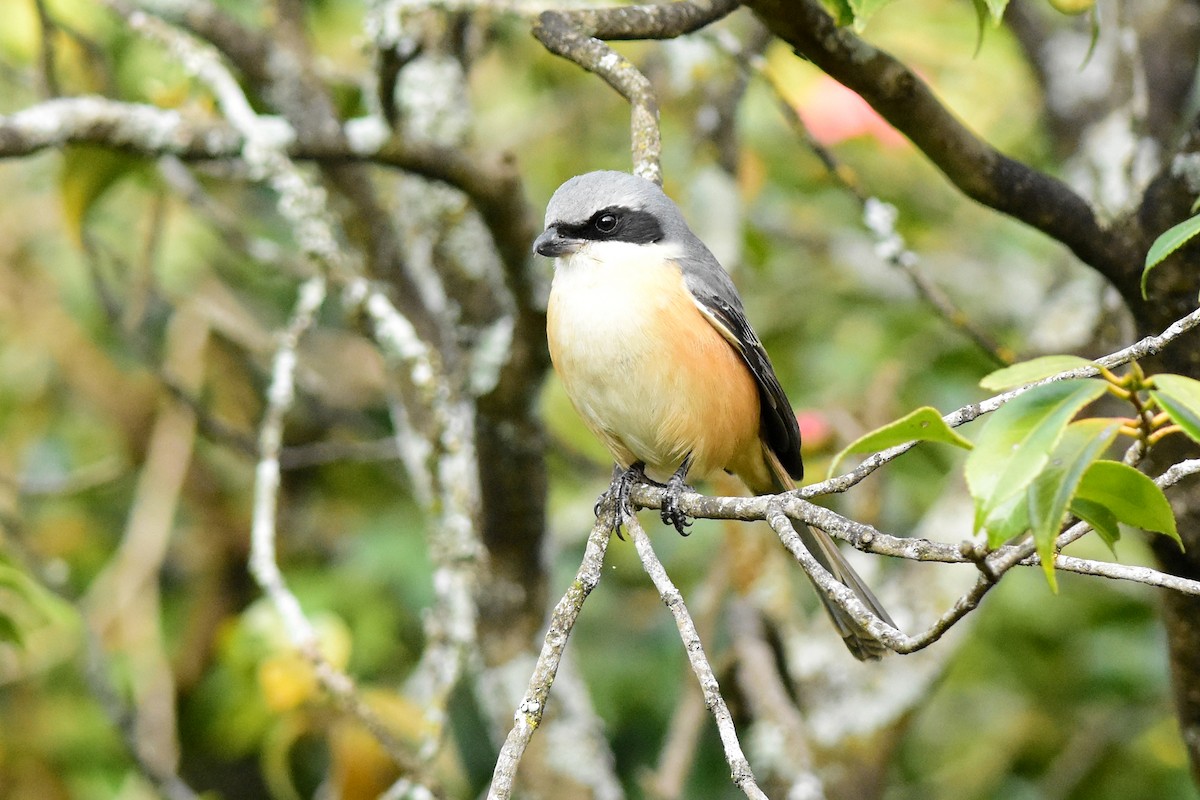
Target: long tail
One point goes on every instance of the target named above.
(862, 645)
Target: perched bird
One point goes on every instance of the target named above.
(648, 336)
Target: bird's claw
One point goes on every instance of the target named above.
(617, 496)
(671, 513)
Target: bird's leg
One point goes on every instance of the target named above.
(618, 494)
(671, 513)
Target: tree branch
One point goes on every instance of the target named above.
(577, 36)
(562, 621)
(975, 167)
(879, 217)
(739, 766)
(871, 540)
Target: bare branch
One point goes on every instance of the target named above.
(263, 564)
(578, 35)
(870, 540)
(739, 766)
(767, 695)
(562, 621)
(555, 30)
(303, 205)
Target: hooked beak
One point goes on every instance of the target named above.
(553, 244)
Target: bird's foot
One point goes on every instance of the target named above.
(672, 514)
(617, 495)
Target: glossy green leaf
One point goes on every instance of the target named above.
(1016, 442)
(1168, 242)
(1050, 495)
(1103, 521)
(1180, 398)
(923, 425)
(1030, 371)
(1130, 495)
(1005, 522)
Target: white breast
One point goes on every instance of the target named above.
(607, 348)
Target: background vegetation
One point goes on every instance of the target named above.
(141, 298)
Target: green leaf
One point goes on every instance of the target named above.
(1051, 493)
(923, 425)
(1016, 443)
(863, 10)
(1168, 242)
(987, 12)
(981, 18)
(1030, 371)
(1131, 497)
(1180, 398)
(1005, 522)
(1103, 521)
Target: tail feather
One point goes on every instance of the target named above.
(861, 644)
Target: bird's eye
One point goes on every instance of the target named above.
(607, 223)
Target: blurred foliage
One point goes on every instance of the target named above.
(1048, 696)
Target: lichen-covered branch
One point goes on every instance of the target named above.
(739, 766)
(578, 36)
(562, 621)
(555, 30)
(303, 204)
(870, 540)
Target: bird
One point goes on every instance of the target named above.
(651, 343)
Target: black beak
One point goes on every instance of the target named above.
(553, 244)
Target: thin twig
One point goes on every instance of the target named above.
(1147, 346)
(871, 540)
(739, 766)
(562, 621)
(263, 563)
(668, 780)
(577, 35)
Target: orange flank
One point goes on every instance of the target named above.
(647, 371)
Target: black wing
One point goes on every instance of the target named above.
(779, 428)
